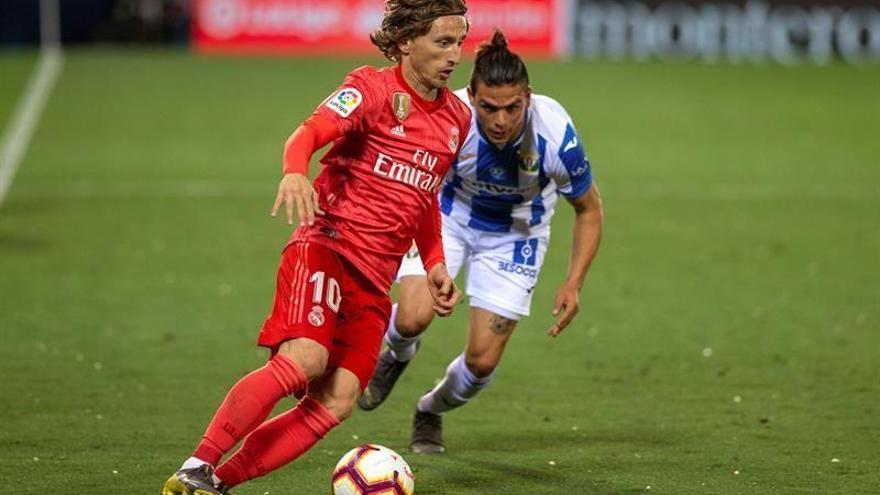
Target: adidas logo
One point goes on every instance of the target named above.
(398, 130)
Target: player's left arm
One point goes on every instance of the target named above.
(574, 179)
(586, 235)
(429, 242)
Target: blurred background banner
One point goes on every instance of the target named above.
(790, 32)
(728, 334)
(343, 26)
(102, 21)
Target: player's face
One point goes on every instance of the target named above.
(501, 110)
(434, 55)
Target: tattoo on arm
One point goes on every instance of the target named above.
(501, 325)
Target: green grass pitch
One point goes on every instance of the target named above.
(729, 341)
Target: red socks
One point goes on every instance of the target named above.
(248, 404)
(268, 445)
(278, 441)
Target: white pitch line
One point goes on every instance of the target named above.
(27, 114)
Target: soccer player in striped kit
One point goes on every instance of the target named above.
(522, 152)
(395, 132)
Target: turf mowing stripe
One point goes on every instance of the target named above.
(712, 191)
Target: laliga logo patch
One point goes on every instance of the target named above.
(316, 316)
(453, 139)
(345, 101)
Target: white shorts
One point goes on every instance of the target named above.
(501, 270)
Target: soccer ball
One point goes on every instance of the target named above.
(372, 470)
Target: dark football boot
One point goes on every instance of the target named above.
(427, 434)
(193, 481)
(388, 370)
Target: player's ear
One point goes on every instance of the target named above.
(528, 96)
(405, 47)
(471, 95)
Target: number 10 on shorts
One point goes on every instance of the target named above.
(333, 293)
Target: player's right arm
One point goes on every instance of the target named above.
(586, 235)
(295, 188)
(349, 109)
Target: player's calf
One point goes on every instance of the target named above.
(487, 338)
(247, 405)
(481, 365)
(278, 442)
(458, 387)
(402, 342)
(400, 348)
(412, 322)
(409, 319)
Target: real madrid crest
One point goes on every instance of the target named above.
(400, 104)
(453, 139)
(316, 316)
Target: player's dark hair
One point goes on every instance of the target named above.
(496, 65)
(408, 19)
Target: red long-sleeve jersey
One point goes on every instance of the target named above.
(378, 184)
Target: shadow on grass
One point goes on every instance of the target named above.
(538, 440)
(480, 465)
(490, 476)
(17, 243)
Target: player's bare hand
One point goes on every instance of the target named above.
(565, 308)
(443, 290)
(295, 189)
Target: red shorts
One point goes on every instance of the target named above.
(321, 296)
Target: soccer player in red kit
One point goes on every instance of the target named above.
(395, 132)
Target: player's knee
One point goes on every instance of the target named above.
(341, 405)
(311, 357)
(480, 364)
(412, 323)
(342, 409)
(314, 364)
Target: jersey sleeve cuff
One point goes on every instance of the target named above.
(578, 190)
(432, 262)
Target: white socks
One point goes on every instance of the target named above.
(402, 348)
(456, 389)
(192, 462)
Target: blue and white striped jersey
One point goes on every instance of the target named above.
(515, 189)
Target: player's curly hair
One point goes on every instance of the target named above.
(408, 19)
(496, 65)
